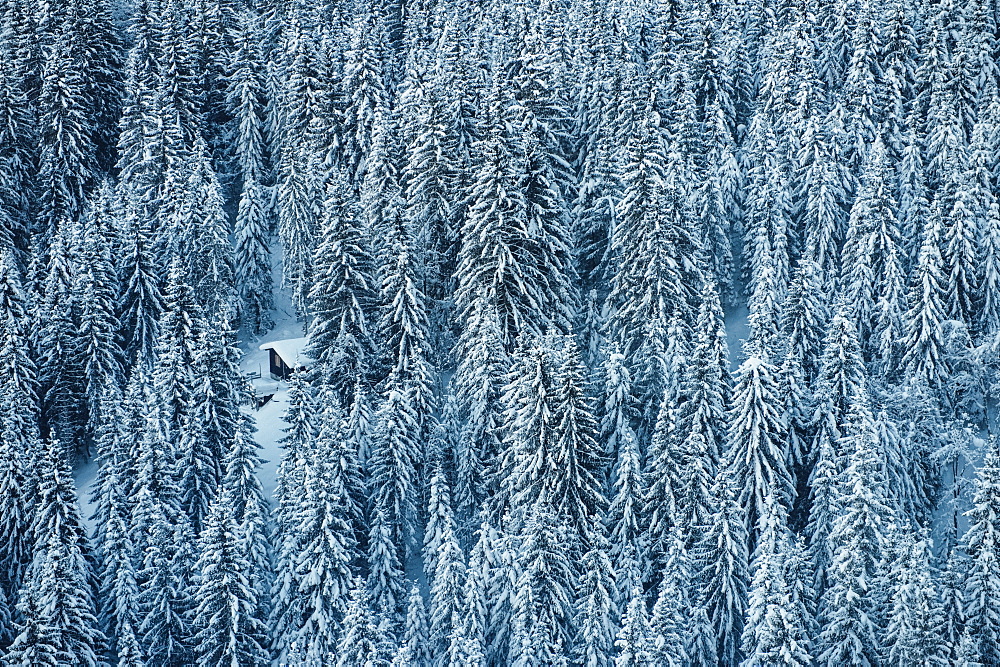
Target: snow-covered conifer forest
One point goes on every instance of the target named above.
(476, 333)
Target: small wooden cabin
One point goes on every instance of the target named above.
(286, 357)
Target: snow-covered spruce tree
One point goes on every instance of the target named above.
(114, 548)
(913, 192)
(298, 190)
(445, 564)
(245, 100)
(862, 81)
(361, 640)
(302, 82)
(226, 618)
(823, 184)
(841, 381)
(173, 370)
(165, 576)
(342, 291)
(141, 302)
(66, 140)
(912, 634)
(96, 287)
(766, 265)
(326, 547)
(634, 640)
(542, 600)
(200, 435)
(671, 618)
(19, 444)
(550, 450)
(250, 508)
(872, 244)
(17, 134)
(394, 464)
(467, 644)
(857, 541)
(56, 607)
(624, 520)
(196, 231)
(805, 316)
(758, 456)
(385, 569)
(60, 351)
(363, 89)
(596, 614)
(651, 237)
(982, 540)
(922, 357)
(404, 325)
(416, 646)
(429, 173)
(164, 543)
(514, 252)
(380, 193)
(720, 566)
(479, 382)
(699, 423)
(984, 141)
(959, 249)
(775, 633)
(617, 409)
(717, 199)
(303, 417)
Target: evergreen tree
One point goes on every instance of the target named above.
(634, 638)
(514, 252)
(66, 141)
(98, 322)
(721, 568)
(19, 445)
(363, 88)
(671, 614)
(404, 323)
(542, 601)
(444, 559)
(56, 604)
(983, 619)
(393, 466)
(551, 453)
(648, 243)
(416, 635)
(60, 351)
(757, 458)
(327, 548)
(922, 345)
(361, 641)
(596, 612)
(245, 97)
(774, 631)
(341, 295)
(857, 540)
(227, 622)
(141, 300)
(915, 615)
(114, 547)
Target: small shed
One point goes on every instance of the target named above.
(287, 356)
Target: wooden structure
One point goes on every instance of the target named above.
(286, 357)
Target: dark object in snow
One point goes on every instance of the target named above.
(286, 357)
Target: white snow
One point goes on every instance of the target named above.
(291, 350)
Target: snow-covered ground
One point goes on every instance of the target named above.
(737, 332)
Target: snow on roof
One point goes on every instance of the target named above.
(292, 350)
